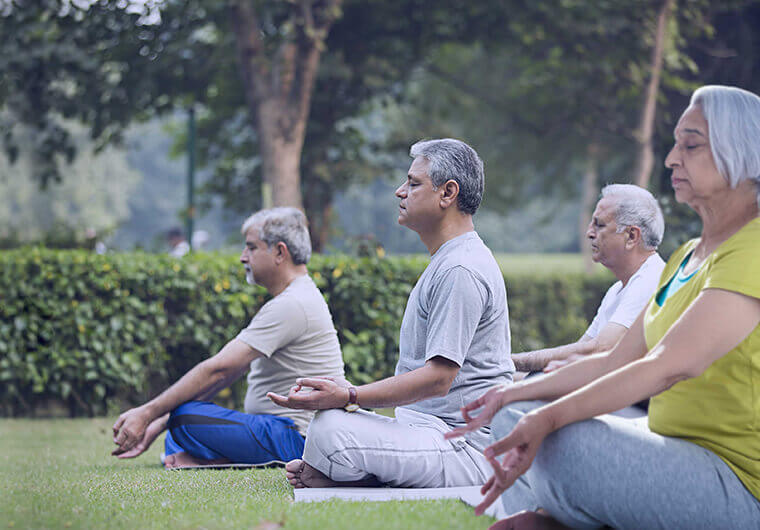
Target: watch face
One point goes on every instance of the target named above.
(351, 407)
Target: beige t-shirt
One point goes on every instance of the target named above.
(295, 333)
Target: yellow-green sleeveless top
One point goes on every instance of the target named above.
(720, 409)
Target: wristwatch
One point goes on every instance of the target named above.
(352, 405)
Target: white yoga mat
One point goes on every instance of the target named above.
(272, 463)
(468, 494)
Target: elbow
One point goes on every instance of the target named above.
(441, 390)
(214, 372)
(442, 385)
(439, 376)
(677, 374)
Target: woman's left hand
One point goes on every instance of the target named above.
(519, 448)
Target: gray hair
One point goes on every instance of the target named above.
(286, 225)
(635, 206)
(451, 159)
(733, 126)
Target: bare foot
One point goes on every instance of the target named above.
(183, 459)
(526, 520)
(302, 475)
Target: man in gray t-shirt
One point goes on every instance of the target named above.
(291, 335)
(458, 311)
(454, 345)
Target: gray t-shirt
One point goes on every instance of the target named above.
(458, 310)
(295, 334)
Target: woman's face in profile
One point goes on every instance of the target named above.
(695, 176)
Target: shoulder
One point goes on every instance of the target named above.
(734, 265)
(292, 300)
(468, 254)
(745, 242)
(649, 272)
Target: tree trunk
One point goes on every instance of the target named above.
(278, 83)
(645, 158)
(319, 224)
(281, 159)
(588, 199)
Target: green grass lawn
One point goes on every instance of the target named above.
(59, 474)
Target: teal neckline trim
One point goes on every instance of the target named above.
(676, 282)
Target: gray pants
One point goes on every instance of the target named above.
(615, 471)
(407, 451)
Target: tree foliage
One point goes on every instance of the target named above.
(91, 201)
(94, 62)
(531, 84)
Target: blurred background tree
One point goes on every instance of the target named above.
(558, 97)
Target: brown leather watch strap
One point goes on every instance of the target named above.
(352, 397)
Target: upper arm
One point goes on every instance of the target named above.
(443, 366)
(631, 346)
(234, 358)
(608, 337)
(715, 323)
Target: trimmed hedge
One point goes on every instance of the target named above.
(98, 333)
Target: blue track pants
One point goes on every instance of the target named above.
(208, 431)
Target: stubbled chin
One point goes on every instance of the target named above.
(249, 277)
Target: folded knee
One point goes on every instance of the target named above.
(324, 426)
(504, 420)
(189, 407)
(565, 470)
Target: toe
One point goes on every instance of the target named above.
(294, 466)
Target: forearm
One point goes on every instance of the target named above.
(161, 423)
(403, 389)
(534, 361)
(202, 380)
(625, 386)
(562, 382)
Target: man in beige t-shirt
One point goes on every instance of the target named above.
(291, 335)
(294, 334)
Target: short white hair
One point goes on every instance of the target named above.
(635, 206)
(286, 225)
(733, 126)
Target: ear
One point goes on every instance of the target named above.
(450, 193)
(632, 237)
(281, 253)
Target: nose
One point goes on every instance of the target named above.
(590, 232)
(672, 160)
(401, 191)
(243, 256)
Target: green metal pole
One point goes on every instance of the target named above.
(190, 174)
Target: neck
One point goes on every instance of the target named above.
(624, 271)
(723, 216)
(453, 226)
(285, 278)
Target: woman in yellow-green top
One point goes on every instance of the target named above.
(695, 349)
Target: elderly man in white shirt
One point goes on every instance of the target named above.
(625, 231)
